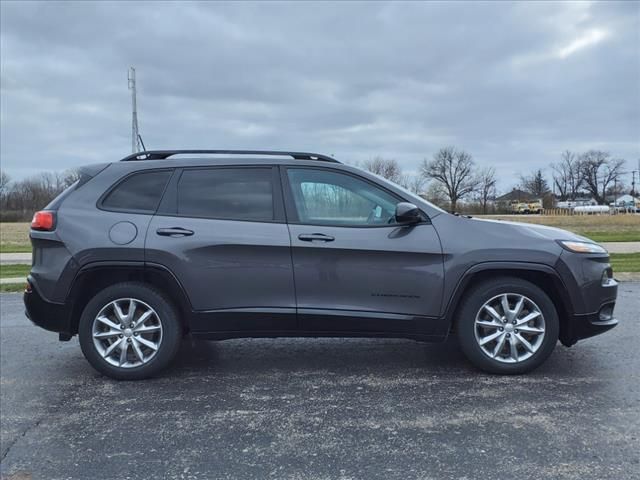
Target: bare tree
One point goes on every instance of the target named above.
(435, 194)
(5, 179)
(19, 199)
(567, 175)
(69, 177)
(535, 184)
(617, 189)
(453, 169)
(599, 171)
(387, 168)
(486, 186)
(413, 182)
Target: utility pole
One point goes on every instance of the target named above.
(135, 136)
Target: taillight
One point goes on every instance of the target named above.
(44, 220)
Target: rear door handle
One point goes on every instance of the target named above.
(174, 232)
(310, 237)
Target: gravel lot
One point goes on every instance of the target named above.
(321, 409)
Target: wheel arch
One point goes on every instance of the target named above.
(543, 276)
(94, 277)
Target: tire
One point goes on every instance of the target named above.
(536, 305)
(155, 323)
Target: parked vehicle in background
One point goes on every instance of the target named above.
(525, 208)
(519, 208)
(535, 207)
(225, 244)
(592, 209)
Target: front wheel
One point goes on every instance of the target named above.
(507, 326)
(129, 331)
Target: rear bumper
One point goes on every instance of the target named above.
(48, 315)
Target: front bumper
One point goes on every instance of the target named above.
(51, 316)
(592, 299)
(589, 325)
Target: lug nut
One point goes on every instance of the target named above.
(501, 329)
(121, 335)
(128, 340)
(136, 333)
(514, 322)
(508, 335)
(515, 331)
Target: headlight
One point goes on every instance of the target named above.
(582, 247)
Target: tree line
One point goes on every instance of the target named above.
(449, 177)
(452, 175)
(20, 199)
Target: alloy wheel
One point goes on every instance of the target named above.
(127, 333)
(509, 328)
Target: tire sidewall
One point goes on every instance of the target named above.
(171, 331)
(487, 290)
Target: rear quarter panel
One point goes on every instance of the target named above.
(86, 234)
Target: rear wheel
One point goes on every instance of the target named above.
(129, 332)
(507, 326)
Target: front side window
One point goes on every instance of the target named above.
(325, 197)
(141, 192)
(226, 193)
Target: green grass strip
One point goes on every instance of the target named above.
(10, 271)
(625, 262)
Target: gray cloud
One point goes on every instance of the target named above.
(514, 84)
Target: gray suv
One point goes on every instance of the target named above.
(226, 244)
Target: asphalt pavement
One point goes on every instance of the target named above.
(321, 409)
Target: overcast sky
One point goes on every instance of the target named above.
(513, 84)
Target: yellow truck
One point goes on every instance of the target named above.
(522, 208)
(535, 206)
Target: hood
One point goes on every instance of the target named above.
(533, 230)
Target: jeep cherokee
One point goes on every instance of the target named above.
(226, 244)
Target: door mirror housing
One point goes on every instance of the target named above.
(408, 213)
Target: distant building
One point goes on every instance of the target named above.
(518, 201)
(515, 195)
(626, 203)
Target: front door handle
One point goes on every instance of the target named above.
(174, 232)
(310, 237)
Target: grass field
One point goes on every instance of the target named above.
(599, 228)
(14, 237)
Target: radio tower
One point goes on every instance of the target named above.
(135, 135)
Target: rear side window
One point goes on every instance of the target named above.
(226, 193)
(140, 192)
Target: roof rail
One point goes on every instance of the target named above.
(163, 154)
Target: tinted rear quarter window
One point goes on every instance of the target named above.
(226, 193)
(140, 192)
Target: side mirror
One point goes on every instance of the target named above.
(408, 213)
